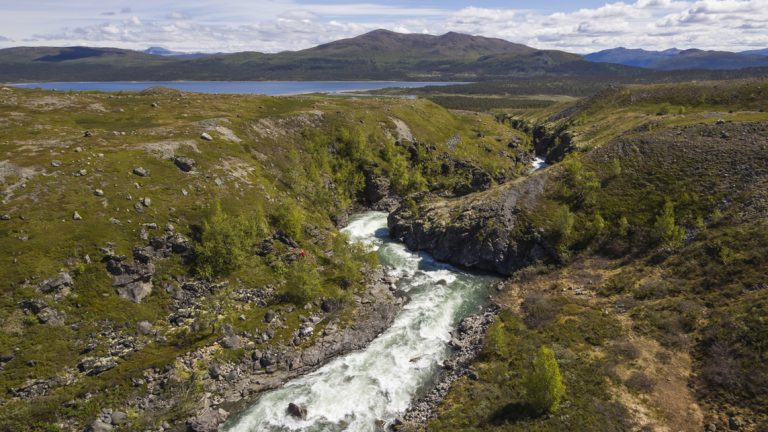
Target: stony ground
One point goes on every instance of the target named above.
(110, 319)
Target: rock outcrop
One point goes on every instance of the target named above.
(58, 286)
(487, 230)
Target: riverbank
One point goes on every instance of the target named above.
(467, 342)
(375, 310)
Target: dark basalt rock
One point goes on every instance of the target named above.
(184, 163)
(297, 411)
(490, 232)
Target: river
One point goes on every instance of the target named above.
(368, 389)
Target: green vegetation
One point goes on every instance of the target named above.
(544, 385)
(656, 223)
(227, 241)
(668, 232)
(258, 212)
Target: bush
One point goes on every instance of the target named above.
(302, 283)
(539, 310)
(639, 382)
(544, 386)
(289, 220)
(668, 233)
(226, 242)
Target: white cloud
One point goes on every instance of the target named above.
(276, 25)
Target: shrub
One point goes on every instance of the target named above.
(544, 386)
(289, 220)
(539, 310)
(581, 185)
(561, 228)
(639, 382)
(668, 233)
(226, 242)
(302, 282)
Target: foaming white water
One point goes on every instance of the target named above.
(538, 163)
(364, 390)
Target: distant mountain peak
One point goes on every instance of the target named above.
(165, 52)
(675, 59)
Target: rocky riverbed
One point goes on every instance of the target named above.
(467, 341)
(228, 386)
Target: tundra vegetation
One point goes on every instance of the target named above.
(206, 235)
(647, 291)
(650, 286)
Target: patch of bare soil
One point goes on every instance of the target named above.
(50, 103)
(402, 131)
(166, 149)
(20, 175)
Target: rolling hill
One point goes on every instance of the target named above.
(377, 55)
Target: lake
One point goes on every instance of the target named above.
(270, 88)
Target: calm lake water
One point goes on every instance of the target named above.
(271, 88)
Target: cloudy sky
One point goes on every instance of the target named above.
(275, 25)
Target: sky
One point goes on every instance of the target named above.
(277, 25)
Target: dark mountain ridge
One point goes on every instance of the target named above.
(675, 59)
(377, 55)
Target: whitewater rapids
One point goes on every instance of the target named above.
(367, 390)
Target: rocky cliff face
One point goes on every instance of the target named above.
(487, 231)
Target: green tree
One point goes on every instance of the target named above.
(614, 168)
(544, 386)
(290, 220)
(599, 223)
(623, 226)
(226, 241)
(302, 282)
(668, 233)
(561, 228)
(581, 184)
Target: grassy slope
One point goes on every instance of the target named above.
(647, 335)
(286, 158)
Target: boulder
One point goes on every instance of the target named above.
(297, 411)
(207, 421)
(140, 171)
(269, 316)
(119, 417)
(33, 305)
(51, 317)
(94, 366)
(99, 426)
(329, 305)
(214, 370)
(184, 163)
(205, 136)
(55, 163)
(59, 286)
(230, 340)
(133, 281)
(144, 327)
(76, 216)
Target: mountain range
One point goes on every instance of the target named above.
(377, 55)
(675, 59)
